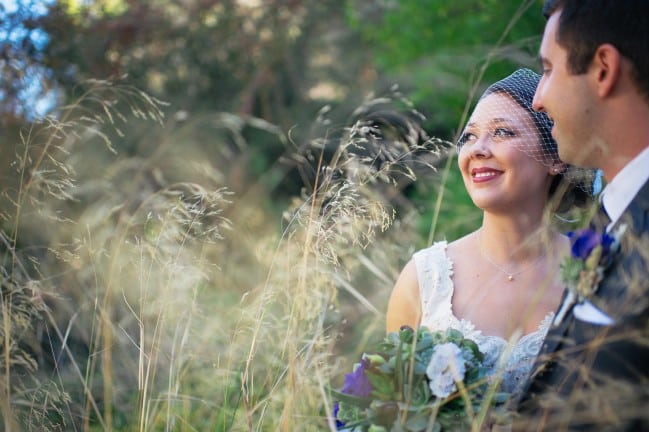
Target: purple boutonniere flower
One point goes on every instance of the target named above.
(591, 253)
(584, 241)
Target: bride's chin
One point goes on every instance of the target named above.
(486, 203)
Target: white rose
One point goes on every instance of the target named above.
(445, 368)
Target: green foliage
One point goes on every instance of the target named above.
(402, 32)
(445, 208)
(438, 48)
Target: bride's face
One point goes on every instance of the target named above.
(494, 157)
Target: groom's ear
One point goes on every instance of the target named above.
(606, 69)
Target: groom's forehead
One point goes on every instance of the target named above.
(550, 48)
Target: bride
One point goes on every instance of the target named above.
(500, 284)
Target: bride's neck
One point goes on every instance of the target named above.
(514, 240)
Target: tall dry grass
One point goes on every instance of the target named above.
(140, 293)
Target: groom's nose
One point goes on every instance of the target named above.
(537, 102)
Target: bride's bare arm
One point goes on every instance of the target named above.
(404, 307)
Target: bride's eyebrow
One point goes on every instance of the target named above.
(497, 120)
(500, 120)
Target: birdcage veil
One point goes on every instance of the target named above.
(521, 86)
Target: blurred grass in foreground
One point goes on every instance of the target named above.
(140, 293)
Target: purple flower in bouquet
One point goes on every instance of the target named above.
(356, 383)
(339, 424)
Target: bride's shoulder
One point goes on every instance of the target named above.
(435, 246)
(461, 246)
(443, 251)
(465, 239)
(431, 254)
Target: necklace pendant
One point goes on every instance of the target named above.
(510, 277)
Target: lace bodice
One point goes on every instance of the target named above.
(512, 361)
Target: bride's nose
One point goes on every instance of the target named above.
(481, 147)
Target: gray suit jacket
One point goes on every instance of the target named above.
(596, 377)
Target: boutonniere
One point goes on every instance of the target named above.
(591, 253)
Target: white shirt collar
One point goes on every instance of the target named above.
(618, 194)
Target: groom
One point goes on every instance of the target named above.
(593, 370)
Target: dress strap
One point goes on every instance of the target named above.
(434, 271)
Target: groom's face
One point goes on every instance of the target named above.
(566, 97)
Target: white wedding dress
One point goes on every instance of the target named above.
(513, 362)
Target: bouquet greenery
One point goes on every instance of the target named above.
(414, 381)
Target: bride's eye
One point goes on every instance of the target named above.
(464, 138)
(503, 132)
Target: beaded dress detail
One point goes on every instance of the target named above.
(511, 361)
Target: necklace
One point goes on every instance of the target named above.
(510, 275)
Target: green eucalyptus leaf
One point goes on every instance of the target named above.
(454, 335)
(438, 338)
(383, 413)
(376, 360)
(356, 425)
(383, 385)
(471, 345)
(350, 414)
(361, 402)
(393, 339)
(406, 334)
(425, 343)
(417, 423)
(387, 367)
(420, 393)
(420, 369)
(500, 397)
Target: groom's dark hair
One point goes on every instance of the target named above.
(584, 25)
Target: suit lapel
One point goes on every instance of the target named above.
(556, 334)
(612, 295)
(552, 343)
(554, 338)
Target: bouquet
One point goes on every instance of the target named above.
(416, 380)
